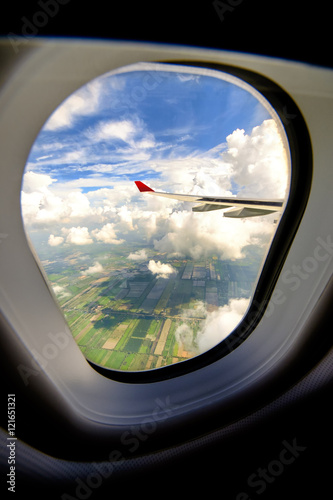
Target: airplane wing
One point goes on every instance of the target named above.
(239, 207)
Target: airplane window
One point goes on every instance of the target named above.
(151, 197)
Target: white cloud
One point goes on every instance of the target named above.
(60, 291)
(259, 161)
(120, 195)
(39, 203)
(220, 323)
(34, 182)
(197, 235)
(83, 102)
(54, 241)
(30, 203)
(145, 144)
(78, 204)
(77, 235)
(161, 270)
(256, 162)
(96, 268)
(138, 141)
(139, 255)
(123, 129)
(126, 217)
(45, 157)
(86, 182)
(107, 235)
(184, 335)
(43, 208)
(46, 206)
(216, 326)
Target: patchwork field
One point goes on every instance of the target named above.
(127, 318)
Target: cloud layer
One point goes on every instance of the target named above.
(255, 164)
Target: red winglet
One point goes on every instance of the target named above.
(142, 187)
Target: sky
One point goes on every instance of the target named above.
(178, 129)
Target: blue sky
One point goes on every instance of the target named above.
(159, 116)
(178, 129)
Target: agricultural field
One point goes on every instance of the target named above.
(124, 317)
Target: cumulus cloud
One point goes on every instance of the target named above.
(110, 199)
(139, 255)
(34, 182)
(43, 205)
(54, 241)
(220, 323)
(253, 164)
(161, 270)
(77, 235)
(125, 215)
(96, 268)
(107, 235)
(215, 327)
(195, 235)
(256, 164)
(78, 204)
(259, 161)
(43, 208)
(39, 203)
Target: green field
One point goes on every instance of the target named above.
(126, 318)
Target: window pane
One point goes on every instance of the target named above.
(144, 281)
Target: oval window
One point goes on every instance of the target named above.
(151, 197)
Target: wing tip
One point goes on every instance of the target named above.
(142, 187)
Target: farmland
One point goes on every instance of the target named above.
(124, 317)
